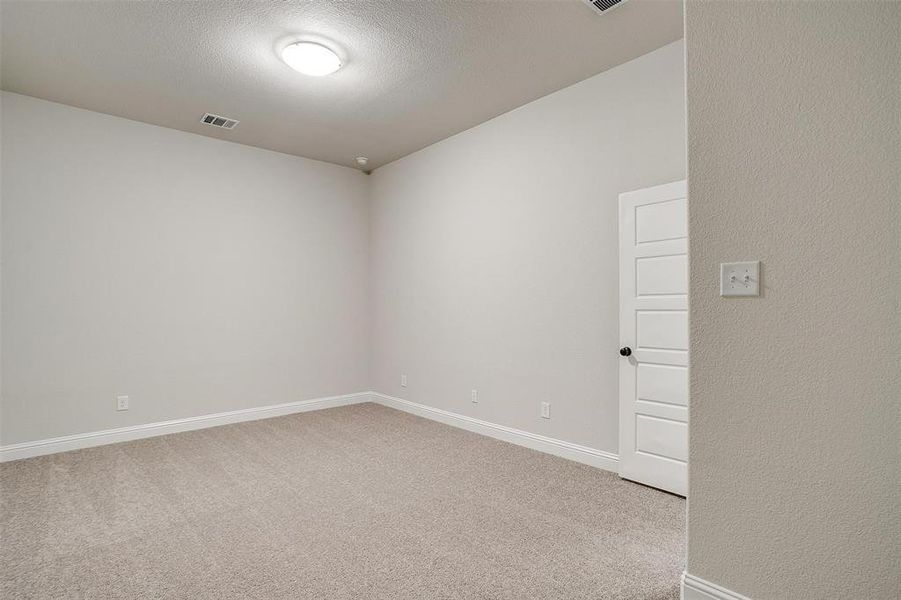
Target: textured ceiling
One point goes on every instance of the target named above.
(416, 72)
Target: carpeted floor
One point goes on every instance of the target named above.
(360, 502)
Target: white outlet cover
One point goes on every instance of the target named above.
(545, 410)
(475, 396)
(121, 402)
(740, 278)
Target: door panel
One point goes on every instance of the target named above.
(663, 437)
(664, 330)
(654, 325)
(663, 383)
(661, 220)
(662, 275)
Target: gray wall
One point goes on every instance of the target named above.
(192, 274)
(794, 128)
(494, 252)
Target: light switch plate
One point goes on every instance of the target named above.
(740, 279)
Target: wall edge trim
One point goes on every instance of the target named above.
(568, 450)
(136, 432)
(695, 588)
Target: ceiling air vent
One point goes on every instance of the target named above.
(603, 6)
(218, 121)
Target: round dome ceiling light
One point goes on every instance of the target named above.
(362, 161)
(310, 58)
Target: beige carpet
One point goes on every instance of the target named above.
(359, 502)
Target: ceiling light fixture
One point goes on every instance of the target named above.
(362, 161)
(310, 58)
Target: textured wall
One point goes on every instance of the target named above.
(794, 128)
(495, 257)
(194, 275)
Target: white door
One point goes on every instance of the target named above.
(653, 325)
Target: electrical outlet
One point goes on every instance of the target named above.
(403, 381)
(545, 410)
(121, 402)
(475, 396)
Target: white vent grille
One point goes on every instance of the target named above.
(603, 6)
(219, 121)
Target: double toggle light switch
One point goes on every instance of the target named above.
(740, 279)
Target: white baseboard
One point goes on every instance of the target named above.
(695, 588)
(136, 432)
(574, 452)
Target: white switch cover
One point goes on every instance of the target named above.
(475, 396)
(740, 279)
(121, 402)
(403, 381)
(545, 410)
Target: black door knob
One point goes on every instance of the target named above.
(625, 351)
